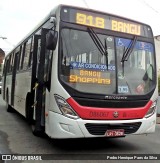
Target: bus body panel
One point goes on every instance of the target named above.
(63, 127)
(8, 88)
(59, 126)
(56, 87)
(22, 87)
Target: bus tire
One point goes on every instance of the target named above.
(38, 133)
(8, 107)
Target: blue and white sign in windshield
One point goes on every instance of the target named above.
(91, 66)
(121, 42)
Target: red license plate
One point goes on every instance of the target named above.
(114, 133)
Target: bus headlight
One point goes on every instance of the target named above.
(65, 107)
(152, 109)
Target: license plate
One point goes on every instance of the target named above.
(114, 133)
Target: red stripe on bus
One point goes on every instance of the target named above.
(95, 113)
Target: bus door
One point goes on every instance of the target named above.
(16, 55)
(32, 98)
(41, 74)
(5, 69)
(38, 83)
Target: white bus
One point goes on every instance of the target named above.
(84, 73)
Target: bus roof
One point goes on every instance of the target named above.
(52, 13)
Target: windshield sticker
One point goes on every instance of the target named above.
(122, 89)
(109, 39)
(144, 46)
(91, 66)
(120, 75)
(93, 77)
(121, 42)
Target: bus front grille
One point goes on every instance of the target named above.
(100, 129)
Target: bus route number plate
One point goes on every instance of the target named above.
(114, 133)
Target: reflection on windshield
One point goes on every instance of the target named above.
(102, 48)
(133, 76)
(84, 68)
(128, 50)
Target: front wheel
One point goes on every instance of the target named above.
(37, 132)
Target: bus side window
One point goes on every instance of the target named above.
(10, 65)
(18, 58)
(31, 54)
(48, 67)
(22, 56)
(4, 67)
(27, 54)
(7, 65)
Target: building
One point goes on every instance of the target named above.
(2, 55)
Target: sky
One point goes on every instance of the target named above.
(19, 17)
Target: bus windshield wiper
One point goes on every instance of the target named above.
(129, 50)
(106, 52)
(102, 48)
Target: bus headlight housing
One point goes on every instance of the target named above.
(65, 107)
(152, 109)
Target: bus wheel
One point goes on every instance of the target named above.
(37, 132)
(8, 107)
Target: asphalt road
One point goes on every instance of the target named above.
(16, 138)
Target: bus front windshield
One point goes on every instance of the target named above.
(86, 69)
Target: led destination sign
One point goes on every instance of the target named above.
(100, 22)
(90, 20)
(104, 21)
(88, 76)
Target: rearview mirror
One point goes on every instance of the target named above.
(51, 40)
(150, 72)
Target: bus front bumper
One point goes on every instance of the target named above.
(59, 126)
